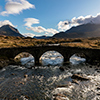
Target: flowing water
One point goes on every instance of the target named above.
(49, 83)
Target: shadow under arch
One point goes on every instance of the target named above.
(51, 57)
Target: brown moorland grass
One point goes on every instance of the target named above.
(10, 41)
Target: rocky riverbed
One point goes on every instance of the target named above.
(20, 79)
(70, 82)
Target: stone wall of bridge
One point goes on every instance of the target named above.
(38, 51)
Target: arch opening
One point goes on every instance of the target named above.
(77, 58)
(52, 58)
(26, 59)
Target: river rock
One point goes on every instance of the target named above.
(98, 88)
(3, 63)
(79, 77)
(57, 98)
(60, 97)
(25, 76)
(75, 81)
(61, 68)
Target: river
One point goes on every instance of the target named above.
(50, 82)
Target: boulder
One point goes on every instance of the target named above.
(79, 77)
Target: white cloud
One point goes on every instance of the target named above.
(6, 22)
(38, 29)
(28, 35)
(41, 29)
(16, 6)
(30, 21)
(65, 25)
(51, 30)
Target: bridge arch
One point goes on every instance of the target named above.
(51, 58)
(26, 59)
(78, 58)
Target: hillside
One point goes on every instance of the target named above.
(8, 30)
(81, 31)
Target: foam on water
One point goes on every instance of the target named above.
(51, 58)
(77, 60)
(85, 90)
(27, 61)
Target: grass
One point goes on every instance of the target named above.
(10, 41)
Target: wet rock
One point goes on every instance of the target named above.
(22, 83)
(60, 97)
(98, 94)
(60, 86)
(90, 66)
(61, 68)
(12, 62)
(79, 77)
(69, 67)
(3, 63)
(12, 73)
(26, 97)
(75, 81)
(98, 88)
(64, 85)
(66, 63)
(25, 76)
(98, 71)
(57, 98)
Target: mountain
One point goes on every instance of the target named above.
(9, 31)
(81, 31)
(42, 37)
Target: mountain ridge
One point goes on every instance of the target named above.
(81, 31)
(8, 30)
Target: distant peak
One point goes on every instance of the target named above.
(9, 30)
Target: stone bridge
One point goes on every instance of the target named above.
(38, 51)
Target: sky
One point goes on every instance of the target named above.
(48, 17)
